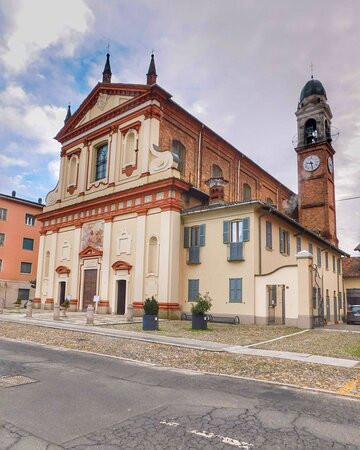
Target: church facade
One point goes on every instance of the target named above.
(151, 202)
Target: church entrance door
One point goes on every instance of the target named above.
(121, 297)
(89, 288)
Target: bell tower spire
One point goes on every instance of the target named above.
(68, 114)
(107, 70)
(315, 156)
(151, 75)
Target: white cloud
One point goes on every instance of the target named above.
(6, 161)
(38, 24)
(54, 168)
(26, 119)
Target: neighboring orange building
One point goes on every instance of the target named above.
(19, 246)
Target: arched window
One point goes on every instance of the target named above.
(310, 131)
(179, 150)
(153, 255)
(130, 147)
(246, 192)
(47, 264)
(72, 171)
(269, 201)
(101, 162)
(216, 171)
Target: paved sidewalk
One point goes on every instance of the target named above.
(183, 342)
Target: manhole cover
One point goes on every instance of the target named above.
(15, 380)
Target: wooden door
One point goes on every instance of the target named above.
(62, 286)
(121, 297)
(89, 287)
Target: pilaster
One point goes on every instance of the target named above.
(139, 258)
(53, 247)
(105, 265)
(40, 266)
(305, 314)
(75, 266)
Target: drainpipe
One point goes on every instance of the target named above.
(199, 157)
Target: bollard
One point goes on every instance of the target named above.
(90, 315)
(130, 313)
(29, 309)
(56, 312)
(2, 305)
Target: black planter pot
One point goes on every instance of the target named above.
(199, 322)
(150, 322)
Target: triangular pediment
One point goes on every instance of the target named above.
(89, 252)
(101, 104)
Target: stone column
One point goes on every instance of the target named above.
(139, 258)
(169, 258)
(74, 274)
(51, 288)
(305, 314)
(103, 306)
(39, 273)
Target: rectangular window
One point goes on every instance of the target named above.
(25, 267)
(339, 266)
(3, 214)
(0, 265)
(29, 220)
(193, 290)
(326, 260)
(318, 256)
(298, 244)
(334, 263)
(23, 294)
(310, 248)
(284, 239)
(2, 239)
(268, 234)
(236, 230)
(194, 238)
(28, 244)
(235, 290)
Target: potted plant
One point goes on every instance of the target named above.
(198, 310)
(64, 307)
(150, 318)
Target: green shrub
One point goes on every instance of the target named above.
(65, 304)
(151, 306)
(202, 305)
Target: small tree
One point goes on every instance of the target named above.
(203, 304)
(151, 306)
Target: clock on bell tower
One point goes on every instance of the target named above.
(315, 162)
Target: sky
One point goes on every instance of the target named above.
(237, 65)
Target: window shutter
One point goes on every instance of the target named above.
(281, 240)
(232, 289)
(246, 230)
(196, 288)
(288, 243)
(186, 237)
(226, 231)
(239, 289)
(202, 235)
(269, 234)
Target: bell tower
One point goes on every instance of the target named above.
(315, 162)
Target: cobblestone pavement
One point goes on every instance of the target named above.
(83, 401)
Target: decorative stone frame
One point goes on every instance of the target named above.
(129, 167)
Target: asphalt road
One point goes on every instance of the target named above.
(80, 401)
